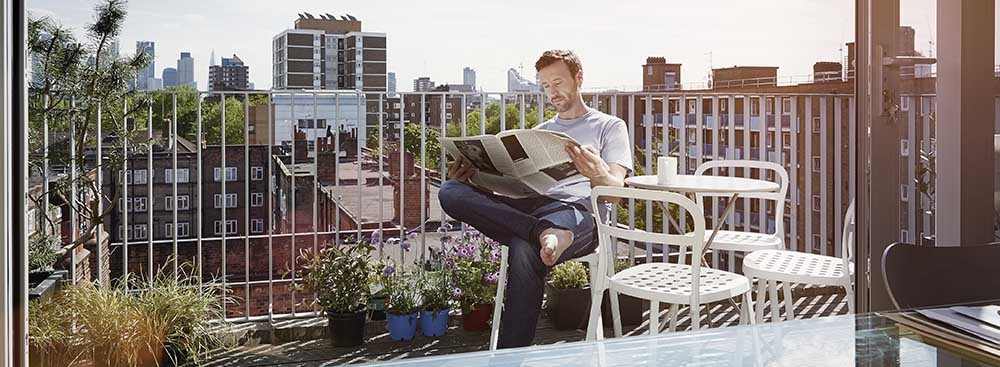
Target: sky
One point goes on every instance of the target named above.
(439, 38)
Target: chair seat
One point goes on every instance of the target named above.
(744, 241)
(797, 267)
(671, 283)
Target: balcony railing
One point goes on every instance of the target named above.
(299, 171)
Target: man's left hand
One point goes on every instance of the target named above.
(587, 161)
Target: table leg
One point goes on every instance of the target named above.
(730, 206)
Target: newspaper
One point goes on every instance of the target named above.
(516, 163)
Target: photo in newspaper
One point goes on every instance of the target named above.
(516, 163)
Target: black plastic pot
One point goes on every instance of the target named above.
(377, 307)
(629, 307)
(45, 284)
(347, 329)
(568, 308)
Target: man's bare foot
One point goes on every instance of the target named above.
(554, 241)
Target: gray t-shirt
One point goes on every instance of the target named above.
(608, 134)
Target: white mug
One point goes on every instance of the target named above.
(666, 168)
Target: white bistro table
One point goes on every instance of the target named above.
(703, 184)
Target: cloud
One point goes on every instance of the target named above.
(194, 18)
(41, 12)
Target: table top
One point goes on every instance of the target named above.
(703, 184)
(848, 340)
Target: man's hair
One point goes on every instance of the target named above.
(552, 56)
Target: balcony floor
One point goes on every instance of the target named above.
(309, 348)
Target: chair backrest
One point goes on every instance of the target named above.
(780, 175)
(608, 234)
(923, 276)
(847, 238)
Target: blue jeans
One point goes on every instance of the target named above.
(517, 223)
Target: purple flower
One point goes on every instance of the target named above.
(465, 227)
(411, 235)
(388, 270)
(405, 246)
(495, 255)
(457, 293)
(376, 236)
(491, 278)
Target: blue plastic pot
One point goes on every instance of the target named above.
(434, 323)
(402, 327)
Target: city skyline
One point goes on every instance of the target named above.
(717, 33)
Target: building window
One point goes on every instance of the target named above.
(448, 116)
(904, 104)
(786, 140)
(256, 199)
(447, 105)
(817, 243)
(139, 204)
(230, 174)
(904, 147)
(257, 173)
(904, 235)
(257, 225)
(183, 175)
(183, 202)
(904, 193)
(817, 164)
(230, 227)
(786, 105)
(817, 203)
(183, 229)
(816, 125)
(139, 176)
(230, 201)
(139, 231)
(124, 232)
(125, 205)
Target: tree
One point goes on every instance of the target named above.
(411, 142)
(76, 86)
(235, 122)
(512, 116)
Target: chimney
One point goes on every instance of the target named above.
(411, 200)
(394, 166)
(301, 147)
(328, 160)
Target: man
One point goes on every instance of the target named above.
(545, 230)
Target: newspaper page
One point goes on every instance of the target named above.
(516, 163)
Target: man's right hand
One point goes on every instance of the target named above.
(461, 170)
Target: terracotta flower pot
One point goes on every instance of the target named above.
(478, 319)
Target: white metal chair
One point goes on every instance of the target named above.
(798, 267)
(749, 241)
(661, 282)
(590, 260)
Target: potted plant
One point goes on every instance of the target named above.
(168, 320)
(81, 88)
(630, 308)
(401, 303)
(568, 295)
(339, 275)
(435, 293)
(474, 261)
(43, 280)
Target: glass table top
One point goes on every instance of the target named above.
(848, 340)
